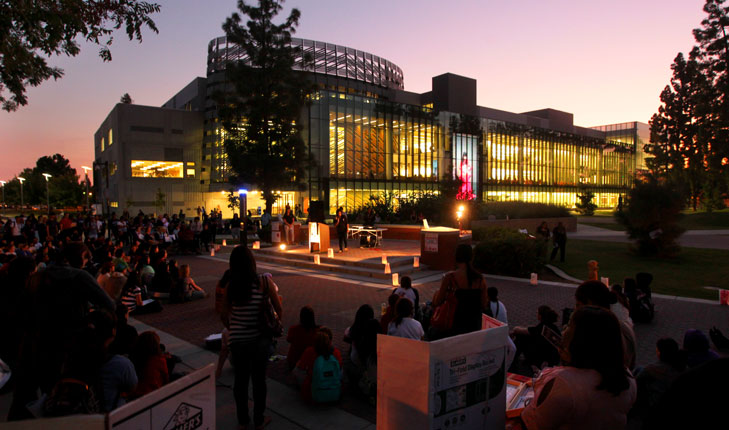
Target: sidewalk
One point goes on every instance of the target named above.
(712, 239)
(285, 407)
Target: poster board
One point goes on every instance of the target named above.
(431, 242)
(461, 381)
(187, 403)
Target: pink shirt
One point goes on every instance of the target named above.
(574, 402)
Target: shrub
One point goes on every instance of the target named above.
(651, 218)
(503, 251)
(521, 210)
(585, 205)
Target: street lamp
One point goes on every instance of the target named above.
(86, 173)
(22, 202)
(48, 194)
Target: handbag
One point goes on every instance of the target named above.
(442, 318)
(269, 321)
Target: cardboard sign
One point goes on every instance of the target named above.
(188, 403)
(463, 381)
(431, 242)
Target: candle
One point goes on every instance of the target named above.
(534, 279)
(317, 260)
(212, 252)
(384, 259)
(256, 245)
(395, 280)
(225, 243)
(330, 253)
(387, 268)
(416, 261)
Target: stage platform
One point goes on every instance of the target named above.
(359, 262)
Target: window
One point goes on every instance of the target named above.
(114, 204)
(111, 137)
(102, 145)
(156, 169)
(190, 173)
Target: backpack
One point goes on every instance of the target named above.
(326, 380)
(644, 309)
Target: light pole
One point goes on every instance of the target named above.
(86, 173)
(3, 184)
(22, 202)
(48, 194)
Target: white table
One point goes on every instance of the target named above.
(356, 231)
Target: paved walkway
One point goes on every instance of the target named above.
(335, 300)
(713, 239)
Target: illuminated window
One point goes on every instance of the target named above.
(190, 173)
(190, 163)
(111, 138)
(156, 169)
(102, 145)
(114, 204)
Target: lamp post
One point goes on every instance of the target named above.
(3, 185)
(48, 194)
(86, 173)
(22, 202)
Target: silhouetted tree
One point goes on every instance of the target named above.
(33, 30)
(261, 114)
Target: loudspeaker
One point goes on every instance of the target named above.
(316, 211)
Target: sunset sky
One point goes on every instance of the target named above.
(606, 61)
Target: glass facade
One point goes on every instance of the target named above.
(365, 146)
(368, 137)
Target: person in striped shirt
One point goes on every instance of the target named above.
(245, 291)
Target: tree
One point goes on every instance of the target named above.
(681, 130)
(651, 218)
(585, 205)
(126, 99)
(33, 30)
(160, 200)
(64, 186)
(261, 114)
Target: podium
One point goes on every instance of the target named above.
(318, 237)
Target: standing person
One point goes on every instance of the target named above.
(543, 231)
(559, 238)
(249, 346)
(235, 228)
(341, 225)
(289, 219)
(469, 288)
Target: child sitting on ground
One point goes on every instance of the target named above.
(191, 290)
(319, 372)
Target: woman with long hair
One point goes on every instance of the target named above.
(404, 325)
(593, 389)
(249, 346)
(469, 288)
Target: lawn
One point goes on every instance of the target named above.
(606, 225)
(684, 276)
(716, 220)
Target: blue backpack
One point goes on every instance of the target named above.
(326, 380)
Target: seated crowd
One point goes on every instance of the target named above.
(65, 301)
(66, 290)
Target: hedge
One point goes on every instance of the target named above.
(503, 251)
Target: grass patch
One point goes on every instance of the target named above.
(684, 276)
(716, 220)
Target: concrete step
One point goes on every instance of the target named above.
(364, 273)
(371, 263)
